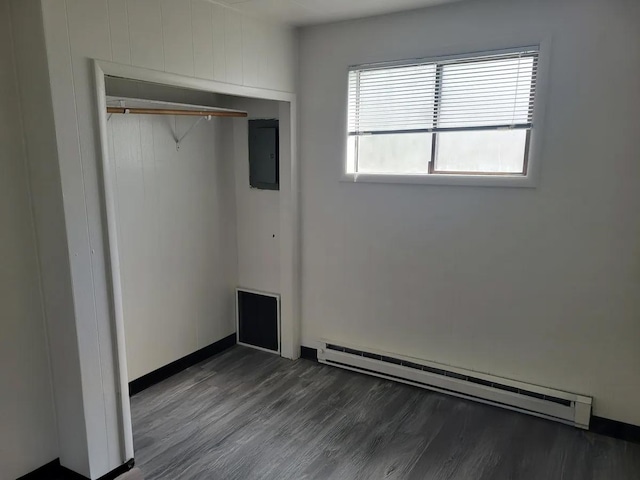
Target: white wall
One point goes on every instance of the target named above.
(176, 236)
(258, 211)
(194, 39)
(46, 195)
(27, 415)
(540, 285)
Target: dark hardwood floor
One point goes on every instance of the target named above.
(246, 414)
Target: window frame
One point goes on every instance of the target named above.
(530, 174)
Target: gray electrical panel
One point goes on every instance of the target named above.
(264, 161)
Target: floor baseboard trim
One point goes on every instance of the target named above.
(113, 474)
(162, 373)
(55, 470)
(309, 353)
(67, 474)
(615, 429)
(46, 471)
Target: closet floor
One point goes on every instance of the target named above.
(246, 414)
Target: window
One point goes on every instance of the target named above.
(468, 115)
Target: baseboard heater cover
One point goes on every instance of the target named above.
(564, 407)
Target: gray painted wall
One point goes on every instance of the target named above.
(28, 437)
(540, 285)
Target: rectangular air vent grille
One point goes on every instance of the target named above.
(258, 319)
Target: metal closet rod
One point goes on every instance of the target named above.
(169, 111)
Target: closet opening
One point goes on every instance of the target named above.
(200, 258)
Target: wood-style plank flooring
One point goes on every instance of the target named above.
(246, 415)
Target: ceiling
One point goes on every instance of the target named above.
(307, 12)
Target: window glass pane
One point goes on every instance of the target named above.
(395, 153)
(351, 153)
(496, 92)
(497, 151)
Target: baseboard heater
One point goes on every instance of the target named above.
(564, 407)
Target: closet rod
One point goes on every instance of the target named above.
(168, 111)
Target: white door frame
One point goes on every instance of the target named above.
(289, 206)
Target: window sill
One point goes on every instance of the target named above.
(507, 181)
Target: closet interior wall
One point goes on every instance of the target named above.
(176, 221)
(258, 212)
(190, 227)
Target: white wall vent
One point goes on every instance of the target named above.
(564, 407)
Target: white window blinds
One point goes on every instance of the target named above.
(482, 92)
(392, 99)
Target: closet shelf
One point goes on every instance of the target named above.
(139, 106)
(173, 111)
